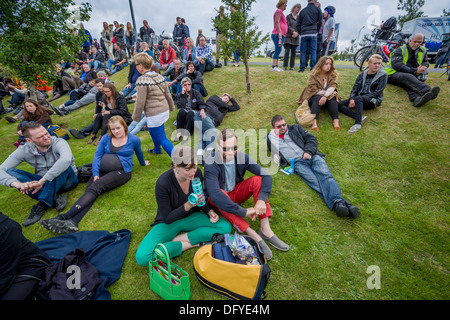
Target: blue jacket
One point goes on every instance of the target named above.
(125, 154)
(215, 180)
(184, 58)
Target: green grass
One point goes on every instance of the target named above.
(396, 170)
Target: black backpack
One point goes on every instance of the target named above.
(387, 28)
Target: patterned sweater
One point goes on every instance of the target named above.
(153, 96)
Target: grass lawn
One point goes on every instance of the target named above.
(396, 170)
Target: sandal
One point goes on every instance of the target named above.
(91, 139)
(98, 140)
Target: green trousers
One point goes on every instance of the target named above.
(198, 227)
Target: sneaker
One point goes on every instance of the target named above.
(37, 211)
(77, 134)
(60, 201)
(354, 128)
(341, 209)
(435, 92)
(152, 151)
(59, 225)
(275, 241)
(58, 111)
(273, 69)
(420, 101)
(10, 119)
(265, 249)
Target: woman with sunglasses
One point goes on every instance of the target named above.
(189, 53)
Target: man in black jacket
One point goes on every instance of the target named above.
(179, 33)
(408, 68)
(289, 143)
(227, 189)
(309, 22)
(367, 92)
(210, 117)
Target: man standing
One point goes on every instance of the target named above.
(408, 68)
(54, 167)
(294, 142)
(145, 32)
(367, 92)
(179, 33)
(227, 189)
(205, 60)
(309, 22)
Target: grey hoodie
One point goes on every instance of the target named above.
(56, 160)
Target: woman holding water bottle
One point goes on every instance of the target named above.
(179, 223)
(279, 31)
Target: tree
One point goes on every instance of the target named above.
(35, 35)
(412, 8)
(240, 33)
(445, 13)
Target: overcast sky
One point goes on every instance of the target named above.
(161, 15)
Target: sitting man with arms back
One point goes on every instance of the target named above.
(205, 60)
(294, 142)
(367, 92)
(54, 167)
(227, 189)
(407, 67)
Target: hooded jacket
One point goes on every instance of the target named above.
(376, 87)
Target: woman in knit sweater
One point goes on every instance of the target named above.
(111, 168)
(154, 99)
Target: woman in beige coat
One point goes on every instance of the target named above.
(154, 99)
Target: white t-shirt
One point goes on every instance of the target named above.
(329, 24)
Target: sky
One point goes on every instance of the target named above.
(355, 17)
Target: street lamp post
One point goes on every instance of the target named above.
(134, 25)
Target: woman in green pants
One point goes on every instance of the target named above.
(180, 225)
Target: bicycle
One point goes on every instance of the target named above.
(383, 47)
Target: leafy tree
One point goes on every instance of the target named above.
(35, 35)
(412, 8)
(445, 13)
(240, 33)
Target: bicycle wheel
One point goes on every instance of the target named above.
(365, 60)
(156, 55)
(361, 53)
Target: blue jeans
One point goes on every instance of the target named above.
(205, 67)
(129, 91)
(308, 43)
(159, 138)
(66, 181)
(175, 88)
(112, 62)
(275, 39)
(95, 64)
(208, 130)
(317, 175)
(135, 126)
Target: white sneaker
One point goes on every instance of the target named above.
(354, 128)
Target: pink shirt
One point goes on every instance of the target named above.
(283, 23)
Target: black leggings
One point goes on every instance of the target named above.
(332, 106)
(185, 120)
(101, 122)
(106, 182)
(361, 103)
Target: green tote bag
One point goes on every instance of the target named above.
(167, 279)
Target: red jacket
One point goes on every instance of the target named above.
(172, 55)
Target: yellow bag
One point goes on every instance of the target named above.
(303, 115)
(232, 280)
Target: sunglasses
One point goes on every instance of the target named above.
(234, 148)
(281, 126)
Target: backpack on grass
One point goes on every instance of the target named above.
(220, 271)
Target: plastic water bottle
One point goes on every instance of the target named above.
(279, 43)
(386, 50)
(197, 189)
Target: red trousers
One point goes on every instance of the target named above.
(241, 193)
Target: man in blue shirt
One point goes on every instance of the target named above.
(205, 59)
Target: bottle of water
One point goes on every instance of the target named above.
(197, 190)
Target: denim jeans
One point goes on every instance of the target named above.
(308, 43)
(129, 91)
(208, 130)
(205, 67)
(95, 64)
(159, 138)
(175, 88)
(66, 181)
(317, 175)
(135, 126)
(278, 48)
(111, 63)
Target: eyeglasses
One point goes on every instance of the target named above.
(281, 126)
(226, 149)
(186, 85)
(187, 41)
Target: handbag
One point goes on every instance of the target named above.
(167, 279)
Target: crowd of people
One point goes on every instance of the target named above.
(176, 83)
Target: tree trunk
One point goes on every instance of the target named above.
(247, 71)
(32, 89)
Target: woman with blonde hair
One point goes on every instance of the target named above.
(111, 168)
(155, 100)
(321, 91)
(129, 39)
(189, 51)
(107, 36)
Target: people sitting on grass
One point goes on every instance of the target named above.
(33, 112)
(321, 91)
(80, 97)
(88, 74)
(205, 59)
(289, 143)
(408, 69)
(111, 168)
(119, 62)
(195, 76)
(227, 188)
(154, 99)
(96, 59)
(112, 104)
(133, 75)
(54, 174)
(167, 55)
(189, 101)
(180, 224)
(146, 49)
(64, 84)
(367, 92)
(189, 53)
(172, 75)
(207, 119)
